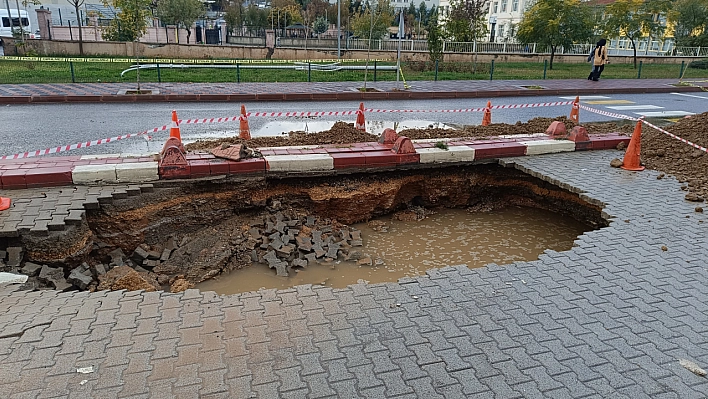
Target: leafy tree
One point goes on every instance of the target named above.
(555, 23)
(466, 22)
(234, 15)
(422, 15)
(633, 19)
(180, 13)
(255, 18)
(320, 25)
(131, 22)
(435, 39)
(690, 19)
(374, 22)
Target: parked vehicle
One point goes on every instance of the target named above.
(11, 22)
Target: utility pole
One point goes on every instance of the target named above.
(339, 29)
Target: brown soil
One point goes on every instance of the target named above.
(689, 165)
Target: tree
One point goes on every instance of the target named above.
(423, 16)
(633, 19)
(320, 25)
(466, 22)
(555, 23)
(131, 22)
(180, 13)
(234, 15)
(374, 22)
(255, 18)
(77, 6)
(690, 20)
(435, 39)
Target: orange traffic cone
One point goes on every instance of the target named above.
(174, 130)
(360, 121)
(631, 157)
(487, 118)
(245, 130)
(4, 203)
(575, 111)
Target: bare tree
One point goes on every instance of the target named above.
(77, 5)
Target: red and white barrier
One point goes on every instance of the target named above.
(631, 118)
(65, 148)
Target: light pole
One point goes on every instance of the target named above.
(339, 29)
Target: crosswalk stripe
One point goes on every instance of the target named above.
(662, 114)
(633, 107)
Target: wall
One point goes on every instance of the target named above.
(189, 51)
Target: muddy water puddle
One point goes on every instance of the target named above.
(409, 248)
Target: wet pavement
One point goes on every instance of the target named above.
(609, 318)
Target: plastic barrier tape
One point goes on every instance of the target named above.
(64, 148)
(620, 116)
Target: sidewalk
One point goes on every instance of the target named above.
(609, 318)
(299, 91)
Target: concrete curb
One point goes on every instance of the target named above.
(96, 170)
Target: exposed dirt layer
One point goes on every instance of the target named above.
(671, 156)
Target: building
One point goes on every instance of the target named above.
(503, 17)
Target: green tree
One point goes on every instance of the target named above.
(181, 13)
(131, 22)
(555, 23)
(423, 15)
(435, 39)
(234, 15)
(255, 18)
(635, 19)
(690, 20)
(374, 22)
(466, 22)
(320, 25)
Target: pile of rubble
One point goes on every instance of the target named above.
(119, 271)
(285, 241)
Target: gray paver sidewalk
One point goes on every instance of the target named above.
(608, 319)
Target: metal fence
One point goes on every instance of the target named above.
(615, 47)
(88, 70)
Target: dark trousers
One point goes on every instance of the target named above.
(596, 72)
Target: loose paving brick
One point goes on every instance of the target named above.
(608, 318)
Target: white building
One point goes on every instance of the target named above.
(504, 16)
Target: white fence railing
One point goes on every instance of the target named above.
(615, 47)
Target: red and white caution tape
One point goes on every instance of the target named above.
(610, 114)
(64, 148)
(694, 145)
(620, 116)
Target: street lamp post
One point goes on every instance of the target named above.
(339, 29)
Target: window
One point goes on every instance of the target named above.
(495, 8)
(501, 31)
(15, 22)
(503, 5)
(514, 5)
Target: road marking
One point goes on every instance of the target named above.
(633, 107)
(587, 98)
(690, 95)
(663, 114)
(609, 102)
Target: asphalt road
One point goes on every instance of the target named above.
(37, 126)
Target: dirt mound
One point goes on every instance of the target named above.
(340, 133)
(689, 165)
